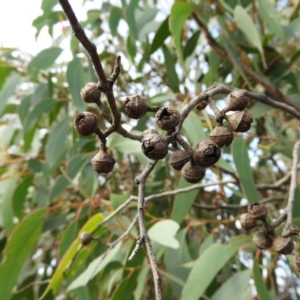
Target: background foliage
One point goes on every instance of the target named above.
(49, 192)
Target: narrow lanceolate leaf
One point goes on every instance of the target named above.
(171, 71)
(208, 265)
(161, 34)
(247, 26)
(114, 19)
(242, 164)
(56, 142)
(57, 277)
(179, 14)
(43, 60)
(183, 202)
(95, 267)
(269, 15)
(76, 82)
(18, 250)
(261, 288)
(8, 89)
(234, 288)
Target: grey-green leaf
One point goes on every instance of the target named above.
(75, 75)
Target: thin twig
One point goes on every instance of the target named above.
(236, 206)
(38, 282)
(125, 233)
(293, 184)
(143, 236)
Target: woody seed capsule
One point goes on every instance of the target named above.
(206, 153)
(86, 123)
(154, 146)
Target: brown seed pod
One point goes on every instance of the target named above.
(135, 106)
(297, 262)
(258, 211)
(247, 221)
(236, 100)
(206, 153)
(240, 121)
(90, 93)
(167, 118)
(221, 136)
(283, 245)
(85, 238)
(86, 123)
(154, 146)
(178, 159)
(192, 173)
(262, 239)
(103, 162)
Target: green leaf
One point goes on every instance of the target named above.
(56, 142)
(234, 287)
(160, 99)
(124, 145)
(43, 60)
(24, 108)
(75, 78)
(191, 44)
(175, 258)
(8, 89)
(41, 107)
(61, 183)
(130, 18)
(242, 164)
(171, 71)
(114, 19)
(269, 14)
(259, 109)
(193, 129)
(162, 33)
(261, 288)
(246, 25)
(183, 202)
(95, 267)
(116, 199)
(47, 5)
(4, 73)
(7, 209)
(18, 249)
(57, 277)
(208, 265)
(179, 14)
(145, 17)
(163, 232)
(19, 196)
(131, 47)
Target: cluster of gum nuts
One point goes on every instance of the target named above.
(191, 163)
(266, 237)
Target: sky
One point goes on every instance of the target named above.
(16, 18)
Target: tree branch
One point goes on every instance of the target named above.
(259, 78)
(83, 39)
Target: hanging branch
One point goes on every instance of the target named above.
(105, 84)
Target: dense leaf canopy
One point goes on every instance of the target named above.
(170, 53)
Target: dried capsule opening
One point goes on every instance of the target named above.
(79, 119)
(164, 115)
